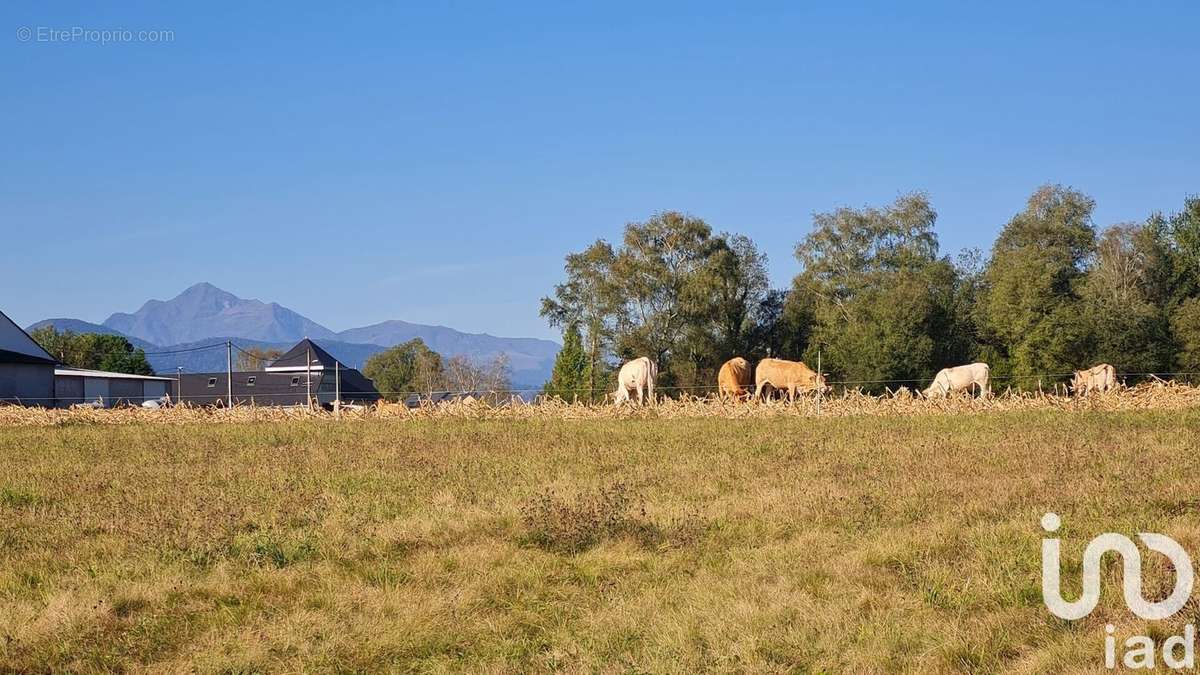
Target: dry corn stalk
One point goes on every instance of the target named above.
(1154, 395)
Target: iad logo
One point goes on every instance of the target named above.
(1131, 574)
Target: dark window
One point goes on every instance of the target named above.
(250, 381)
(295, 381)
(212, 381)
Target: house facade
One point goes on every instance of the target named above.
(26, 370)
(305, 373)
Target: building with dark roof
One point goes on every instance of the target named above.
(26, 370)
(305, 373)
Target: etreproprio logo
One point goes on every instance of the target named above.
(1139, 650)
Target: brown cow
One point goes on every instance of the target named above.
(1099, 378)
(789, 376)
(734, 381)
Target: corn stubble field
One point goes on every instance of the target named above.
(886, 535)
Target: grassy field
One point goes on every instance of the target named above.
(851, 544)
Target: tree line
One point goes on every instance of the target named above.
(93, 351)
(881, 303)
(413, 368)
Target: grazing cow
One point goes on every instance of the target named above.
(789, 376)
(638, 376)
(1099, 378)
(960, 378)
(734, 381)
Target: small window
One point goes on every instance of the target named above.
(212, 382)
(295, 381)
(250, 381)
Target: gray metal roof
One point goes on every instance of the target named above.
(17, 347)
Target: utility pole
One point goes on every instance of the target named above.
(179, 385)
(337, 389)
(229, 373)
(308, 373)
(820, 382)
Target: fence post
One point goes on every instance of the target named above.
(820, 381)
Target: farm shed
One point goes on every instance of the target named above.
(77, 385)
(305, 368)
(26, 370)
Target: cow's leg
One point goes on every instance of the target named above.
(641, 399)
(758, 391)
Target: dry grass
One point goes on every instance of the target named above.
(1159, 395)
(770, 542)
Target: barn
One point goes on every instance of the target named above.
(78, 385)
(26, 370)
(305, 371)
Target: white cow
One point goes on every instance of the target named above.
(636, 376)
(1099, 378)
(960, 378)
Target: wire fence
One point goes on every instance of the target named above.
(324, 393)
(1055, 381)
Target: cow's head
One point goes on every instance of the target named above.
(820, 384)
(1078, 381)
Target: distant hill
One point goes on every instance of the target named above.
(205, 311)
(204, 314)
(79, 326)
(531, 358)
(194, 359)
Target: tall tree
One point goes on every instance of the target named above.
(781, 326)
(672, 291)
(485, 378)
(659, 277)
(1128, 326)
(730, 290)
(1185, 327)
(1032, 318)
(588, 299)
(408, 368)
(570, 378)
(882, 300)
(1175, 242)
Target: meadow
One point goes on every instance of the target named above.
(776, 543)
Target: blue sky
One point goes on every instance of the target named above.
(383, 160)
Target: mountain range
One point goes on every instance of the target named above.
(204, 314)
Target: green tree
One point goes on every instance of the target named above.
(1173, 243)
(1183, 233)
(1030, 312)
(883, 303)
(94, 351)
(588, 299)
(571, 378)
(672, 291)
(1128, 325)
(781, 326)
(1185, 325)
(408, 368)
(727, 297)
(658, 275)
